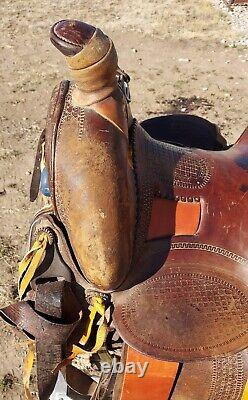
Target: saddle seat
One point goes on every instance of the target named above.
(186, 296)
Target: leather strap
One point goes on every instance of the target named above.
(173, 217)
(217, 379)
(35, 181)
(50, 336)
(46, 220)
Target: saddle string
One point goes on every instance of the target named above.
(31, 262)
(27, 369)
(97, 309)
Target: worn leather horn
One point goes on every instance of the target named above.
(90, 55)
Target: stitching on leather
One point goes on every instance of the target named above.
(227, 379)
(210, 248)
(132, 137)
(64, 39)
(125, 320)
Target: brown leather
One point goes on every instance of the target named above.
(217, 379)
(179, 282)
(70, 36)
(94, 67)
(87, 153)
(61, 263)
(173, 217)
(35, 182)
(221, 378)
(187, 286)
(193, 288)
(52, 122)
(156, 384)
(55, 301)
(79, 383)
(99, 222)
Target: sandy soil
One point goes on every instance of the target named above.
(181, 57)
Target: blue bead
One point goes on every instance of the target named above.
(44, 185)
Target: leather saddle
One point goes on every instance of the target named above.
(144, 222)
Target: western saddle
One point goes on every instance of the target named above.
(140, 252)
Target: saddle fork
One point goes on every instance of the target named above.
(92, 155)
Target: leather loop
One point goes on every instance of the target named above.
(35, 181)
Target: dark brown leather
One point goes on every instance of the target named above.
(35, 182)
(70, 36)
(53, 118)
(50, 322)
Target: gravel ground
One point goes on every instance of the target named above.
(238, 19)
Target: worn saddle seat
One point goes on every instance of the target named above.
(198, 281)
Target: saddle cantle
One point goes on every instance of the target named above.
(141, 250)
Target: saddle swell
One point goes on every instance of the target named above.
(87, 149)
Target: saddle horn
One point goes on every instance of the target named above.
(92, 152)
(90, 56)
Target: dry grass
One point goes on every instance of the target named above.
(178, 19)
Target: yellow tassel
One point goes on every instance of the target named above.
(27, 369)
(30, 262)
(245, 393)
(97, 307)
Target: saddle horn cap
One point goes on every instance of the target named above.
(90, 55)
(70, 36)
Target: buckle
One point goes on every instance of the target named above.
(123, 80)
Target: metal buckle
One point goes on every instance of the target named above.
(123, 80)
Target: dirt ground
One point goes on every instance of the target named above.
(181, 56)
